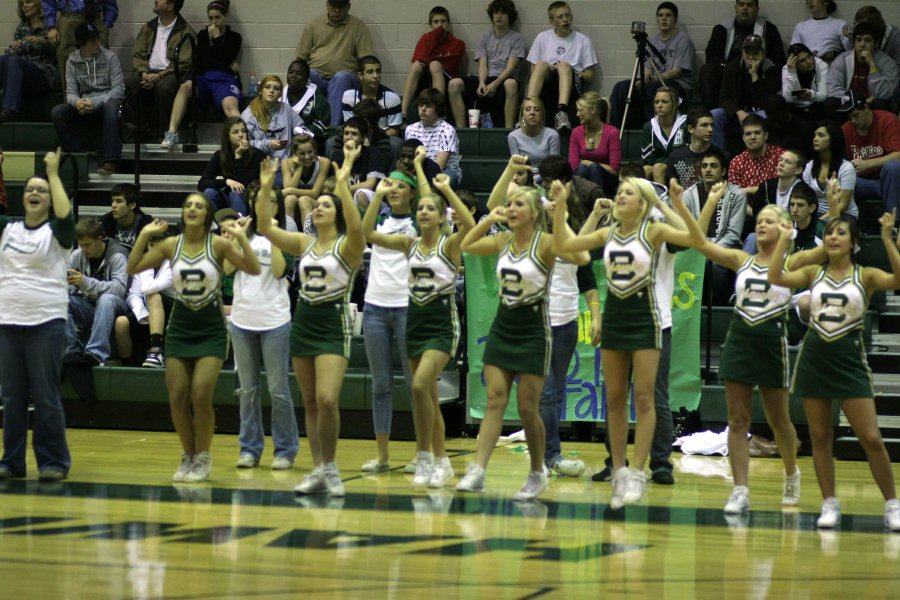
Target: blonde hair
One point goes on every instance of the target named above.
(780, 213)
(646, 193)
(258, 105)
(440, 204)
(593, 101)
(533, 197)
(533, 100)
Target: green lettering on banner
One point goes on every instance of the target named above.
(584, 391)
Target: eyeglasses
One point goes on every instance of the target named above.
(36, 190)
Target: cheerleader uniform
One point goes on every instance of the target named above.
(832, 362)
(431, 319)
(755, 348)
(322, 323)
(630, 317)
(197, 324)
(520, 337)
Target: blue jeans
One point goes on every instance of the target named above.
(594, 172)
(31, 364)
(723, 123)
(750, 243)
(272, 347)
(565, 338)
(220, 199)
(334, 88)
(886, 187)
(381, 326)
(20, 76)
(67, 120)
(99, 315)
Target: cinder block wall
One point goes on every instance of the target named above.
(271, 28)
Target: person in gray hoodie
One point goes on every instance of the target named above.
(865, 70)
(95, 88)
(97, 280)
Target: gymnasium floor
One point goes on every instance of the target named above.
(118, 528)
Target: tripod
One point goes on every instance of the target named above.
(641, 58)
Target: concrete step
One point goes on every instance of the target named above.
(848, 448)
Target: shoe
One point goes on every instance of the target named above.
(201, 469)
(662, 477)
(5, 472)
(282, 463)
(156, 359)
(93, 360)
(831, 514)
(170, 140)
(534, 486)
(312, 483)
(55, 474)
(108, 168)
(441, 474)
(604, 475)
(791, 494)
(473, 480)
(8, 116)
(332, 480)
(183, 469)
(570, 467)
(424, 468)
(410, 467)
(561, 121)
(376, 466)
(739, 501)
(892, 514)
(634, 486)
(619, 481)
(246, 461)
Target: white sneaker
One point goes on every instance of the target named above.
(561, 121)
(170, 140)
(281, 463)
(791, 495)
(183, 469)
(534, 486)
(410, 467)
(634, 486)
(441, 474)
(375, 466)
(619, 481)
(739, 501)
(570, 467)
(424, 468)
(332, 478)
(246, 461)
(201, 469)
(892, 514)
(312, 483)
(831, 514)
(473, 480)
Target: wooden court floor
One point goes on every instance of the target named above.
(118, 528)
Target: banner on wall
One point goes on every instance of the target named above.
(585, 394)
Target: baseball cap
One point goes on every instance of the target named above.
(851, 102)
(224, 214)
(85, 32)
(753, 43)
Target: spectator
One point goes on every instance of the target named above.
(866, 71)
(822, 34)
(595, 151)
(430, 169)
(153, 80)
(270, 122)
(308, 101)
(533, 138)
(873, 145)
(438, 53)
(495, 90)
(665, 132)
(368, 168)
(675, 71)
(331, 44)
(759, 161)
(804, 82)
(437, 135)
(785, 128)
(725, 45)
(747, 84)
(890, 43)
(369, 72)
(303, 174)
(217, 71)
(72, 13)
(29, 66)
(94, 91)
(564, 59)
(586, 191)
(803, 209)
(777, 191)
(126, 219)
(97, 282)
(388, 147)
(829, 161)
(231, 168)
(682, 162)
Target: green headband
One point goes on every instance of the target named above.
(401, 176)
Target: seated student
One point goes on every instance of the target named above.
(368, 70)
(865, 70)
(303, 174)
(430, 169)
(682, 162)
(368, 169)
(563, 60)
(29, 66)
(555, 168)
(829, 162)
(595, 151)
(804, 82)
(759, 161)
(776, 190)
(231, 168)
(270, 122)
(675, 71)
(95, 88)
(822, 33)
(662, 134)
(747, 84)
(437, 135)
(533, 139)
(126, 219)
(97, 280)
(308, 101)
(890, 42)
(785, 128)
(438, 53)
(150, 301)
(873, 146)
(379, 142)
(495, 90)
(217, 71)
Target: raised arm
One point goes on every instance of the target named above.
(240, 254)
(727, 257)
(393, 241)
(876, 279)
(602, 208)
(58, 196)
(475, 241)
(466, 220)
(559, 196)
(517, 162)
(422, 184)
(293, 243)
(354, 244)
(716, 193)
(838, 199)
(801, 278)
(563, 239)
(140, 259)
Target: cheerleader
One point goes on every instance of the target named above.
(832, 362)
(196, 338)
(631, 336)
(320, 335)
(432, 325)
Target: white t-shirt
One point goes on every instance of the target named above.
(159, 60)
(260, 301)
(576, 49)
(388, 285)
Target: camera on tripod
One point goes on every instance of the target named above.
(638, 29)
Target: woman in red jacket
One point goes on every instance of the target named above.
(438, 52)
